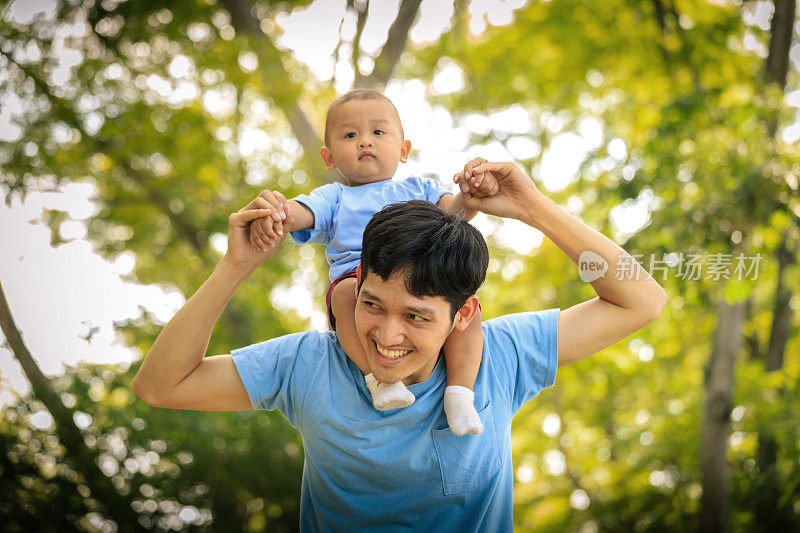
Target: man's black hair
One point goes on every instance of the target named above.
(443, 254)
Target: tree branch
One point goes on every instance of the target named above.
(182, 226)
(780, 42)
(286, 92)
(335, 55)
(361, 21)
(69, 435)
(65, 112)
(782, 309)
(393, 49)
(661, 13)
(776, 68)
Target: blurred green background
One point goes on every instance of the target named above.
(673, 125)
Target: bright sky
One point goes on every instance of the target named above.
(59, 294)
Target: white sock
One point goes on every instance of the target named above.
(461, 414)
(387, 396)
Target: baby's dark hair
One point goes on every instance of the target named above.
(357, 94)
(442, 254)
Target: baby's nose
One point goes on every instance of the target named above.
(365, 142)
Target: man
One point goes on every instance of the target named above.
(402, 469)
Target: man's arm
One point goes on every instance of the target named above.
(176, 373)
(622, 307)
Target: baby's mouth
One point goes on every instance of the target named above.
(364, 155)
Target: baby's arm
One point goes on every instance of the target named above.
(455, 205)
(287, 216)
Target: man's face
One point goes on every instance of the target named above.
(401, 334)
(365, 141)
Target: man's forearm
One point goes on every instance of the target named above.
(636, 289)
(183, 342)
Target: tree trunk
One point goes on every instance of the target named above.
(782, 311)
(780, 41)
(776, 69)
(392, 50)
(286, 92)
(716, 417)
(82, 459)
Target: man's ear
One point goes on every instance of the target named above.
(467, 312)
(327, 157)
(405, 149)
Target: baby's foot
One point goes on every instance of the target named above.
(387, 396)
(460, 411)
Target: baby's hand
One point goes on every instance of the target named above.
(263, 234)
(265, 231)
(480, 185)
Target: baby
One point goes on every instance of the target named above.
(364, 142)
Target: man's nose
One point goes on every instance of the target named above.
(390, 333)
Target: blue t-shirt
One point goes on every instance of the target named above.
(341, 213)
(402, 469)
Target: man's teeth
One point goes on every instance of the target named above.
(391, 354)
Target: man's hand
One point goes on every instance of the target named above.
(515, 196)
(241, 253)
(265, 231)
(474, 184)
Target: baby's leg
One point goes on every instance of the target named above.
(462, 353)
(343, 306)
(385, 396)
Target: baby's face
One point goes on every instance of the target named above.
(365, 141)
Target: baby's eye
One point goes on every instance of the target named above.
(378, 132)
(349, 135)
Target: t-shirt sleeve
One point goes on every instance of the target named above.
(432, 189)
(276, 373)
(323, 202)
(523, 352)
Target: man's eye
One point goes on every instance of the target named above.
(378, 132)
(417, 318)
(349, 135)
(370, 305)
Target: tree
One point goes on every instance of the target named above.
(673, 121)
(130, 118)
(691, 110)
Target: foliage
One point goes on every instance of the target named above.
(615, 445)
(201, 471)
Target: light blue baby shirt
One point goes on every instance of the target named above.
(402, 470)
(341, 213)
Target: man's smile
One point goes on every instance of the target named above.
(390, 355)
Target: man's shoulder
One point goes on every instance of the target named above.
(287, 344)
(514, 329)
(521, 349)
(280, 372)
